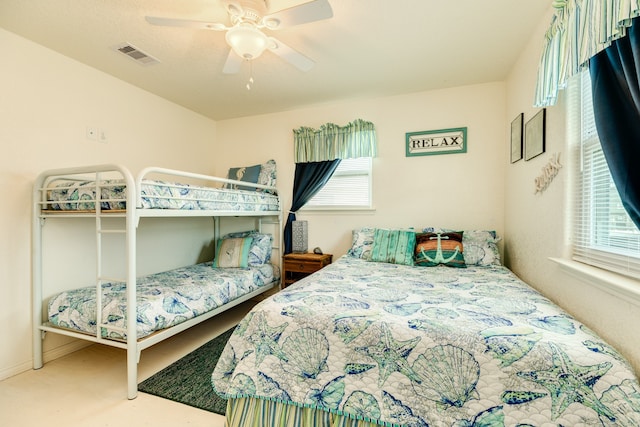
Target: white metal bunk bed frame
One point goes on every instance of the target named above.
(132, 345)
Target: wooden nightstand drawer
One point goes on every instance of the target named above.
(303, 266)
(297, 266)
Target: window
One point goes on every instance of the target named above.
(603, 233)
(348, 188)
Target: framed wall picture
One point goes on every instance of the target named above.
(517, 132)
(430, 142)
(534, 135)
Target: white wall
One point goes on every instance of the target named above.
(46, 103)
(453, 190)
(536, 226)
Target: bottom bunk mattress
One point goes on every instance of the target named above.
(366, 343)
(163, 299)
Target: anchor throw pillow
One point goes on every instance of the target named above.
(439, 249)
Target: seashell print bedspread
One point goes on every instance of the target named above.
(164, 299)
(427, 346)
(80, 195)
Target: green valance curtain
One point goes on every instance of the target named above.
(578, 31)
(330, 142)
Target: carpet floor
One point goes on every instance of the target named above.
(188, 380)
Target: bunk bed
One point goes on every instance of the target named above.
(426, 332)
(135, 312)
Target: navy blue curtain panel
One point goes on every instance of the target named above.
(309, 179)
(615, 80)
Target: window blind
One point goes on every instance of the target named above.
(349, 187)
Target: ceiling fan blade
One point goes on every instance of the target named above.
(315, 10)
(290, 55)
(232, 64)
(187, 23)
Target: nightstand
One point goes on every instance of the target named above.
(297, 266)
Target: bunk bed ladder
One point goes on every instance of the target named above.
(100, 278)
(130, 329)
(129, 232)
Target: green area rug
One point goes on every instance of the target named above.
(188, 380)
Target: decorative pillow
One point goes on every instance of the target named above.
(362, 243)
(232, 252)
(393, 246)
(244, 173)
(439, 248)
(480, 246)
(267, 174)
(260, 249)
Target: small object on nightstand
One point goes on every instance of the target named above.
(298, 266)
(317, 251)
(299, 236)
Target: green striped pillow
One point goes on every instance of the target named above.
(393, 246)
(232, 253)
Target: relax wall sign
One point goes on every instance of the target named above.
(443, 141)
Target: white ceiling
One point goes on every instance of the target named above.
(369, 48)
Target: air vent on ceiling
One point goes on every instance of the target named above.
(136, 54)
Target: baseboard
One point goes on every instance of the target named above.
(47, 356)
(65, 349)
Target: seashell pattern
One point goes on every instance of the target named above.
(510, 344)
(388, 295)
(413, 346)
(448, 374)
(240, 384)
(400, 413)
(557, 324)
(357, 368)
(226, 365)
(346, 303)
(509, 349)
(492, 417)
(270, 388)
(164, 299)
(362, 405)
(487, 319)
(306, 351)
(619, 400)
(318, 300)
(349, 328)
(517, 397)
(328, 396)
(402, 309)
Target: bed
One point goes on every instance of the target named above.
(166, 302)
(428, 330)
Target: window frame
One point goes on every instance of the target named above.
(594, 241)
(309, 206)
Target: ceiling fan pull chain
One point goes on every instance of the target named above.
(250, 82)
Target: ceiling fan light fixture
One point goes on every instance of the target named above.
(271, 23)
(247, 41)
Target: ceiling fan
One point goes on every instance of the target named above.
(245, 36)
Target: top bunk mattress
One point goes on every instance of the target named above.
(81, 196)
(163, 299)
